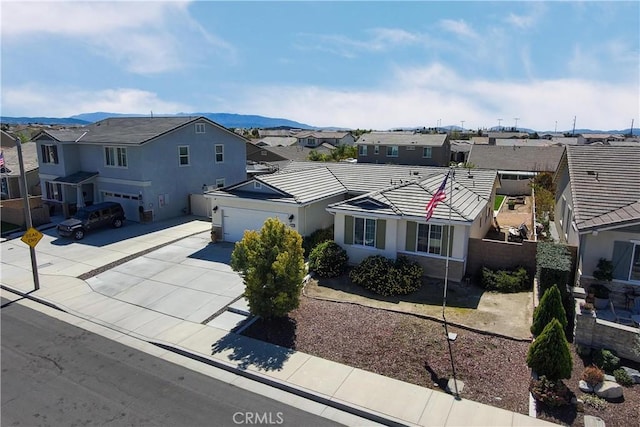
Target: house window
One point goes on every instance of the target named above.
(219, 182)
(263, 152)
(567, 221)
(364, 232)
(428, 238)
(50, 154)
(115, 157)
(53, 191)
(257, 185)
(219, 150)
(183, 155)
(392, 151)
(426, 152)
(362, 150)
(200, 128)
(311, 142)
(376, 149)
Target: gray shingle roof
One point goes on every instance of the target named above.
(29, 158)
(532, 159)
(402, 138)
(605, 183)
(127, 130)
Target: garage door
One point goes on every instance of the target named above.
(236, 221)
(129, 204)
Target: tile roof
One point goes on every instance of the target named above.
(298, 153)
(605, 184)
(29, 158)
(402, 138)
(276, 141)
(516, 158)
(126, 130)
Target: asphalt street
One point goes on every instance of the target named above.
(56, 374)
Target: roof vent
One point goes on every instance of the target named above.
(593, 173)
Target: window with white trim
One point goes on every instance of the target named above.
(49, 153)
(219, 151)
(431, 239)
(426, 152)
(563, 209)
(392, 151)
(200, 128)
(53, 191)
(364, 232)
(115, 157)
(183, 155)
(362, 150)
(257, 185)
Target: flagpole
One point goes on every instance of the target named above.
(446, 280)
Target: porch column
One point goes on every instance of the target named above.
(79, 196)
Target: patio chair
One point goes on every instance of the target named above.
(624, 318)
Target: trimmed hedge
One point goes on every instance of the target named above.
(328, 259)
(314, 239)
(506, 281)
(388, 277)
(553, 264)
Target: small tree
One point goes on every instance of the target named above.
(271, 263)
(550, 307)
(549, 354)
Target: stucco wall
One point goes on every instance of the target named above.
(500, 255)
(599, 246)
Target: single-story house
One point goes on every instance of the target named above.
(315, 138)
(374, 209)
(598, 210)
(516, 165)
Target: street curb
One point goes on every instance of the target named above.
(28, 295)
(362, 413)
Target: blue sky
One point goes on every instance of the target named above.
(374, 65)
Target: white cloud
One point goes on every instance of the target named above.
(144, 37)
(522, 21)
(459, 28)
(422, 96)
(36, 100)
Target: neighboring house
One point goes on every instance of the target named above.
(404, 148)
(590, 138)
(261, 160)
(375, 209)
(148, 164)
(598, 209)
(516, 165)
(313, 139)
(299, 154)
(11, 183)
(460, 150)
(276, 141)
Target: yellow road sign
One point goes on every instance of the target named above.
(31, 237)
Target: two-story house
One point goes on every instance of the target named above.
(404, 148)
(313, 139)
(150, 165)
(598, 210)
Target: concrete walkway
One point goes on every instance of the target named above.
(348, 395)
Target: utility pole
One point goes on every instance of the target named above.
(556, 128)
(462, 123)
(631, 131)
(27, 213)
(573, 132)
(516, 119)
(499, 125)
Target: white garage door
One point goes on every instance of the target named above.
(129, 204)
(236, 221)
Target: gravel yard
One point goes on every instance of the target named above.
(414, 349)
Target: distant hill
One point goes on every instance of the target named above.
(69, 121)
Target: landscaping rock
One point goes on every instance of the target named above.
(633, 373)
(584, 386)
(591, 421)
(451, 386)
(608, 390)
(608, 377)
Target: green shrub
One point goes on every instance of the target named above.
(549, 354)
(606, 360)
(320, 235)
(550, 307)
(553, 264)
(593, 375)
(506, 281)
(328, 259)
(623, 378)
(550, 392)
(387, 277)
(594, 401)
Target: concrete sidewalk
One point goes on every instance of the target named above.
(348, 395)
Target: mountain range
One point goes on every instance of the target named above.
(230, 120)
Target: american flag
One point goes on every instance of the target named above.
(1, 159)
(438, 196)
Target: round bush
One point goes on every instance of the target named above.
(606, 360)
(623, 378)
(328, 259)
(387, 277)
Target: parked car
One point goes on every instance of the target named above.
(92, 217)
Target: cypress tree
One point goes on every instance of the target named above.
(550, 307)
(549, 354)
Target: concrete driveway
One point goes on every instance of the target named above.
(171, 268)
